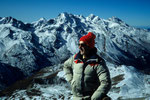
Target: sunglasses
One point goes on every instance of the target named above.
(82, 44)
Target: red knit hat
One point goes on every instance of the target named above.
(89, 39)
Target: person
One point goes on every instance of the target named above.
(87, 72)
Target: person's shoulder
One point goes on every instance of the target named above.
(100, 59)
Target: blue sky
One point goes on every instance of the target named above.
(133, 12)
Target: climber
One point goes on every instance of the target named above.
(87, 72)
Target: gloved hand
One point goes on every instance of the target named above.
(106, 98)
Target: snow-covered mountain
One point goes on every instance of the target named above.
(27, 48)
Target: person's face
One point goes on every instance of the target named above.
(84, 49)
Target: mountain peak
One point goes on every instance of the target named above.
(91, 15)
(14, 22)
(6, 20)
(117, 20)
(42, 19)
(93, 18)
(10, 20)
(64, 15)
(39, 22)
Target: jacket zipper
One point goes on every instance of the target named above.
(82, 79)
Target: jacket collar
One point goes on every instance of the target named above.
(94, 58)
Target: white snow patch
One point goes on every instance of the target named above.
(113, 25)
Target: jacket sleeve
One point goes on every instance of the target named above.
(105, 82)
(68, 69)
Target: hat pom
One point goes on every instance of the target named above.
(91, 35)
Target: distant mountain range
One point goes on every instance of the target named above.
(27, 48)
(142, 27)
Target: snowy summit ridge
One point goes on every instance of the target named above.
(26, 48)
